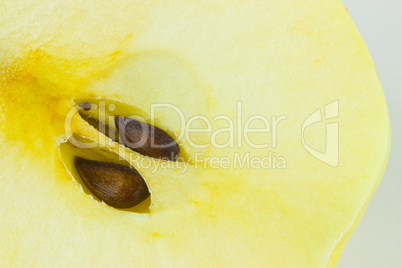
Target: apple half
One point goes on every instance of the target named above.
(291, 82)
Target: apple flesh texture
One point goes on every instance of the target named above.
(275, 57)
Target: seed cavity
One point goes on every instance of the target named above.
(136, 135)
(98, 120)
(86, 106)
(116, 185)
(146, 139)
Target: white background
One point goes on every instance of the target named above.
(377, 240)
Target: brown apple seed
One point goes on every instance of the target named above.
(114, 184)
(146, 139)
(86, 106)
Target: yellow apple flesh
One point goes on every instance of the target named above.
(209, 58)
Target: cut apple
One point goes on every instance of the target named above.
(276, 108)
